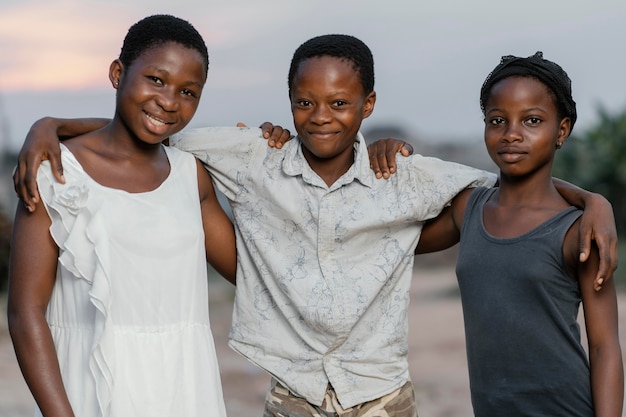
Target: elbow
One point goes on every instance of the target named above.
(21, 321)
(609, 353)
(15, 322)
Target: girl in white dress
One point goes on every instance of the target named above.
(108, 302)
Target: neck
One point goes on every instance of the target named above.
(119, 140)
(330, 169)
(537, 192)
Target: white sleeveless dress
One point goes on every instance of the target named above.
(129, 309)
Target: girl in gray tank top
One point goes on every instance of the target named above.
(519, 271)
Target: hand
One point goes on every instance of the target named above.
(41, 143)
(383, 155)
(276, 136)
(598, 224)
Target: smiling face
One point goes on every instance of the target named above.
(159, 92)
(523, 126)
(328, 104)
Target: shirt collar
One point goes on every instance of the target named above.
(296, 164)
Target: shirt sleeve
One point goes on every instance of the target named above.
(440, 181)
(228, 153)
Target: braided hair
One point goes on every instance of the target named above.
(344, 47)
(545, 71)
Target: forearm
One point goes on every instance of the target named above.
(438, 234)
(607, 381)
(69, 128)
(574, 195)
(38, 362)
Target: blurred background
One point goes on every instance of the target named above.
(431, 59)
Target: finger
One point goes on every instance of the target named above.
(392, 154)
(608, 255)
(374, 165)
(383, 158)
(407, 150)
(283, 136)
(275, 136)
(608, 261)
(57, 167)
(584, 245)
(267, 128)
(18, 186)
(30, 184)
(241, 124)
(603, 274)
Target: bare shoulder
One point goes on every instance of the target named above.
(459, 204)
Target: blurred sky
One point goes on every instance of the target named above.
(431, 57)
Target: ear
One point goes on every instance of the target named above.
(565, 128)
(368, 105)
(115, 73)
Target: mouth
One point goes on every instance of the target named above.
(511, 155)
(158, 122)
(322, 135)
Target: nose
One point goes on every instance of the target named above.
(321, 114)
(168, 99)
(513, 133)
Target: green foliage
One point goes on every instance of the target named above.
(596, 160)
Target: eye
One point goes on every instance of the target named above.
(496, 121)
(189, 93)
(303, 103)
(533, 121)
(340, 103)
(155, 79)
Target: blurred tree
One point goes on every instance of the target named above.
(596, 160)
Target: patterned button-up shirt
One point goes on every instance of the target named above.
(324, 271)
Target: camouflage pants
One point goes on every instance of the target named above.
(279, 402)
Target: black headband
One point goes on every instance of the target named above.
(548, 72)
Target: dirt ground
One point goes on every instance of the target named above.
(437, 355)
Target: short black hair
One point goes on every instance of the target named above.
(344, 47)
(547, 72)
(157, 30)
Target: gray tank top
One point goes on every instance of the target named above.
(520, 307)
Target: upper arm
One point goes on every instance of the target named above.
(600, 307)
(33, 261)
(444, 230)
(219, 233)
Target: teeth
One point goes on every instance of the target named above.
(155, 120)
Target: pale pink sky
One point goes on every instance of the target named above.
(69, 44)
(431, 57)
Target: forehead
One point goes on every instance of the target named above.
(326, 67)
(520, 88)
(169, 48)
(171, 51)
(176, 61)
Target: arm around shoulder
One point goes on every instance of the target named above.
(597, 224)
(444, 231)
(42, 143)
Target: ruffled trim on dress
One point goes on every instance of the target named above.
(77, 228)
